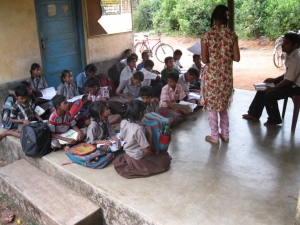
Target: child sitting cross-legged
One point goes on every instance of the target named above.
(60, 122)
(67, 87)
(138, 160)
(22, 112)
(100, 129)
(97, 93)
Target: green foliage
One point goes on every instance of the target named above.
(192, 17)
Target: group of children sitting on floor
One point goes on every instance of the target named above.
(140, 92)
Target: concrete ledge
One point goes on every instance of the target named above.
(7, 86)
(114, 211)
(45, 199)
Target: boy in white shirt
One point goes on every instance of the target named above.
(129, 70)
(151, 78)
(177, 55)
(126, 54)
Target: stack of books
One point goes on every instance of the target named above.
(263, 86)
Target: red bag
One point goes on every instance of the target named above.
(107, 81)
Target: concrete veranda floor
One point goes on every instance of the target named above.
(253, 179)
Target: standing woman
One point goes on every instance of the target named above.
(219, 49)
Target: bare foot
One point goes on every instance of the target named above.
(249, 117)
(66, 148)
(225, 139)
(211, 140)
(269, 124)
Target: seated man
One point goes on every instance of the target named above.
(285, 85)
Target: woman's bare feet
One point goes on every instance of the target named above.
(211, 140)
(249, 117)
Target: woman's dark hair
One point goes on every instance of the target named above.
(96, 108)
(64, 74)
(91, 68)
(220, 13)
(34, 66)
(133, 110)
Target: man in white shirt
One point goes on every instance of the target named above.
(285, 85)
(129, 70)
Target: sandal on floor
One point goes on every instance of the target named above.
(211, 140)
(270, 124)
(10, 217)
(224, 138)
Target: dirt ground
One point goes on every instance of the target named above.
(255, 66)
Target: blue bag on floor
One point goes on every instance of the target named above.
(96, 160)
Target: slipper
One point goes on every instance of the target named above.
(224, 138)
(211, 140)
(249, 117)
(10, 217)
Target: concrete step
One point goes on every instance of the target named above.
(45, 199)
(85, 181)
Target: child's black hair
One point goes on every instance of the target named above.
(194, 72)
(220, 13)
(177, 52)
(148, 63)
(138, 76)
(126, 51)
(34, 66)
(92, 68)
(167, 59)
(96, 108)
(144, 53)
(173, 76)
(135, 55)
(26, 83)
(92, 82)
(146, 91)
(64, 74)
(130, 58)
(57, 100)
(21, 90)
(195, 56)
(294, 38)
(135, 107)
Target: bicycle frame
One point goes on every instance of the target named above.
(146, 42)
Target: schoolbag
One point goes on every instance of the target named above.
(6, 111)
(114, 73)
(36, 139)
(79, 112)
(107, 81)
(157, 123)
(96, 160)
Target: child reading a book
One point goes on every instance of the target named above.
(173, 93)
(100, 129)
(60, 122)
(138, 160)
(22, 112)
(67, 87)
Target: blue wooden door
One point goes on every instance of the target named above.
(59, 36)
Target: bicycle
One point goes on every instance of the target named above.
(279, 56)
(162, 50)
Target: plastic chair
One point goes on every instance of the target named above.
(296, 100)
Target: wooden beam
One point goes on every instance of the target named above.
(230, 4)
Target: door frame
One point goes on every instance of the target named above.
(80, 34)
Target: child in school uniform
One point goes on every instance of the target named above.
(130, 89)
(22, 112)
(37, 81)
(126, 54)
(129, 70)
(169, 61)
(97, 93)
(89, 71)
(177, 55)
(150, 78)
(188, 78)
(67, 87)
(29, 89)
(173, 93)
(100, 128)
(60, 122)
(138, 160)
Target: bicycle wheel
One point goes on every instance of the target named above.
(279, 56)
(139, 48)
(163, 51)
